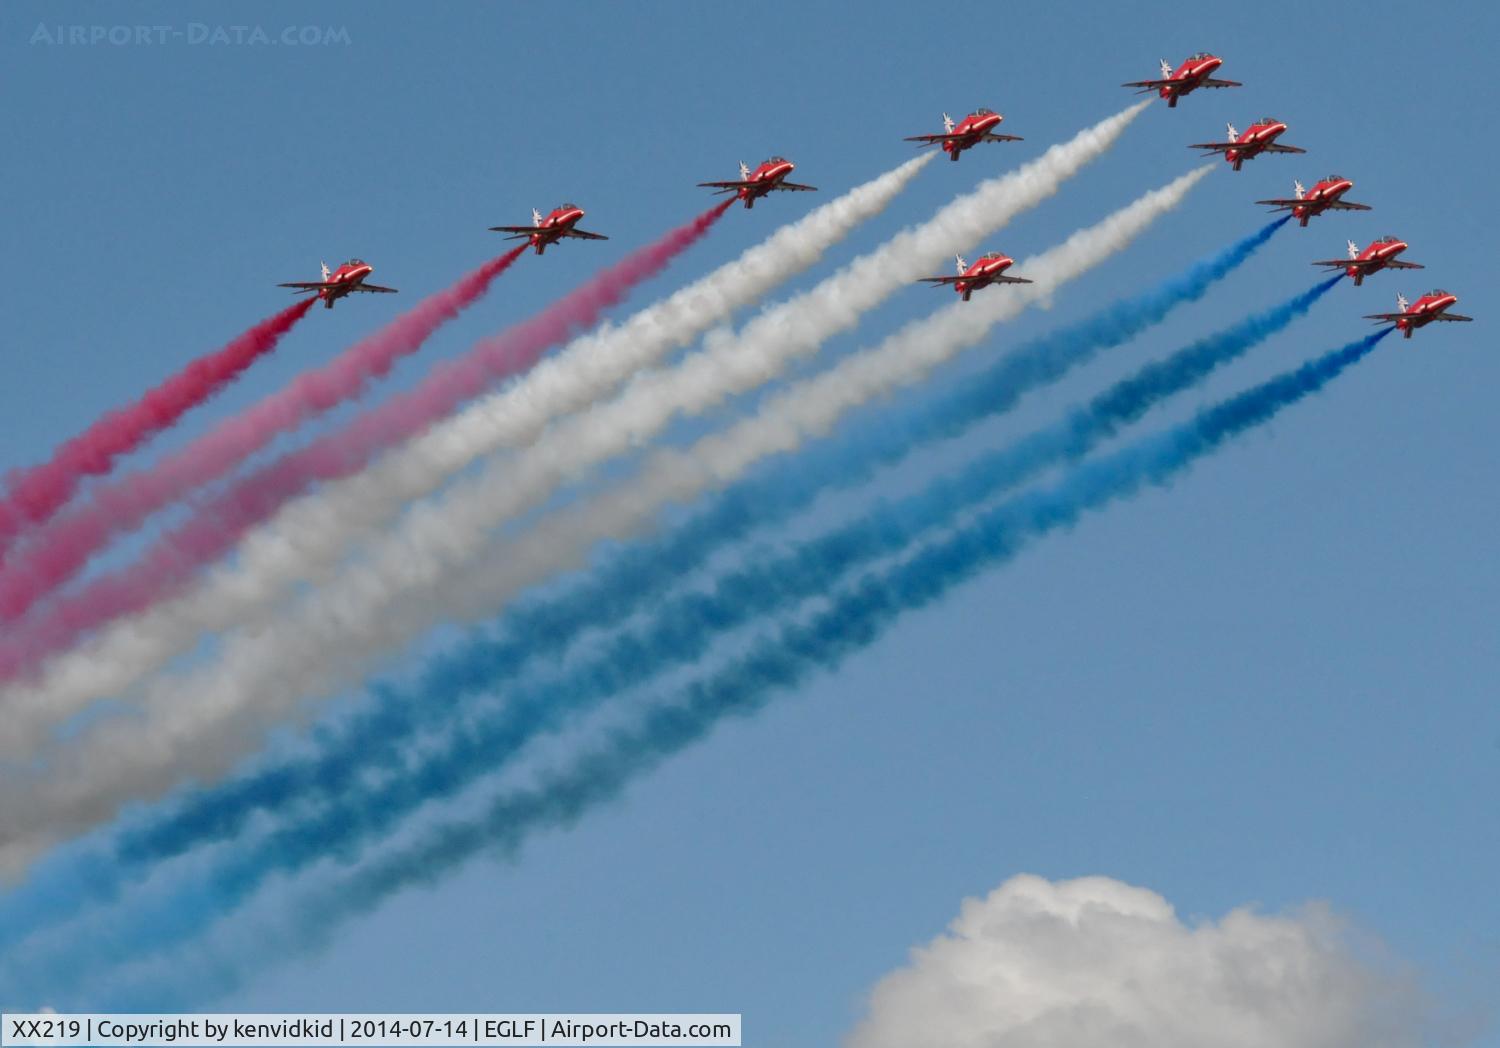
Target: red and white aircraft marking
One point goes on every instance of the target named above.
(977, 127)
(1381, 254)
(1412, 315)
(562, 222)
(1260, 137)
(1324, 196)
(335, 285)
(768, 177)
(987, 269)
(1185, 79)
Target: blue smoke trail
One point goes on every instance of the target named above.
(681, 630)
(853, 619)
(539, 628)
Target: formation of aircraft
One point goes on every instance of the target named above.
(1197, 71)
(1326, 195)
(562, 222)
(769, 177)
(336, 284)
(978, 126)
(1185, 79)
(1412, 315)
(1260, 137)
(1381, 254)
(987, 269)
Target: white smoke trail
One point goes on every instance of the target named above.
(310, 535)
(198, 724)
(562, 540)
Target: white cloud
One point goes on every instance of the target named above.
(1094, 963)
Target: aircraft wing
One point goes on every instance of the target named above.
(725, 187)
(940, 280)
(794, 187)
(583, 235)
(1211, 82)
(1386, 318)
(1452, 316)
(1398, 264)
(1152, 85)
(1347, 205)
(1215, 147)
(1343, 263)
(309, 285)
(375, 288)
(1277, 147)
(932, 140)
(518, 230)
(1002, 279)
(1283, 204)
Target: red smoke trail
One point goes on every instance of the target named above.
(37, 493)
(53, 553)
(217, 525)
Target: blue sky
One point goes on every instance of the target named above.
(1274, 682)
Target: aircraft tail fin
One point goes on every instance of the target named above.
(1353, 250)
(1166, 69)
(958, 260)
(536, 217)
(1299, 190)
(1234, 133)
(325, 272)
(744, 171)
(947, 124)
(1401, 304)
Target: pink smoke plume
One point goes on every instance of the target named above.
(35, 494)
(53, 553)
(217, 525)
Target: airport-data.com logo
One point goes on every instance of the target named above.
(196, 34)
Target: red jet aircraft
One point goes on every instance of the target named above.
(978, 126)
(989, 269)
(1259, 138)
(335, 285)
(1185, 79)
(1381, 254)
(769, 176)
(1412, 315)
(1325, 196)
(544, 231)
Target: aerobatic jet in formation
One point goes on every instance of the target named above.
(341, 281)
(1412, 315)
(1381, 254)
(1185, 79)
(562, 222)
(1326, 195)
(768, 177)
(1260, 137)
(987, 269)
(978, 126)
